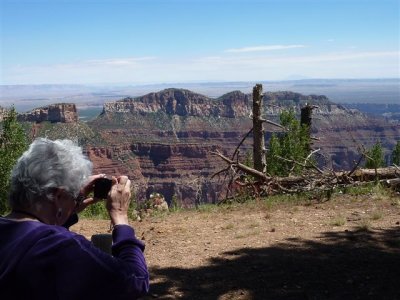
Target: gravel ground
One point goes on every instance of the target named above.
(345, 248)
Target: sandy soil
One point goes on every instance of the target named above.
(345, 248)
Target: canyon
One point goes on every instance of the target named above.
(164, 141)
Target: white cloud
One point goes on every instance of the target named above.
(263, 48)
(293, 60)
(227, 66)
(341, 56)
(119, 61)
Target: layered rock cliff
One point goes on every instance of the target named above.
(181, 103)
(54, 113)
(185, 103)
(164, 139)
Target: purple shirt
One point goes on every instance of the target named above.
(39, 261)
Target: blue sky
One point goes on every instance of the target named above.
(162, 41)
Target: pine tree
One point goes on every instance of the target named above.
(274, 166)
(12, 144)
(375, 157)
(396, 154)
(292, 145)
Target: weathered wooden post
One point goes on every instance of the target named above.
(306, 112)
(305, 120)
(258, 131)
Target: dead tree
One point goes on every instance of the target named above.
(258, 132)
(306, 112)
(305, 120)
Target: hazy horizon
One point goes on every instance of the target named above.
(26, 97)
(124, 84)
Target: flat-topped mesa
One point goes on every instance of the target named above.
(182, 103)
(231, 105)
(296, 97)
(54, 113)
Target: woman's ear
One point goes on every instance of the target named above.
(57, 196)
(63, 205)
(60, 197)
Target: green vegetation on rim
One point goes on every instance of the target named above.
(13, 143)
(288, 147)
(396, 154)
(375, 157)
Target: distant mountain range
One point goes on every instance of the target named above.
(391, 112)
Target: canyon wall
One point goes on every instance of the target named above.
(165, 140)
(54, 113)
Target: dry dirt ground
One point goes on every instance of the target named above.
(345, 248)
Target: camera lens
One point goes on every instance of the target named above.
(101, 187)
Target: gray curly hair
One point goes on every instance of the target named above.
(47, 165)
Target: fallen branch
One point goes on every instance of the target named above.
(370, 174)
(273, 123)
(243, 167)
(393, 183)
(315, 180)
(304, 165)
(356, 165)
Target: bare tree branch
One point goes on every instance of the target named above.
(241, 142)
(243, 167)
(273, 123)
(356, 165)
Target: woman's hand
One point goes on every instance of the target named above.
(118, 200)
(86, 190)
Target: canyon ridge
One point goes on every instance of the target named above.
(164, 140)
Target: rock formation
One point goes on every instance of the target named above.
(163, 141)
(182, 103)
(54, 113)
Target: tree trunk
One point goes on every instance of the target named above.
(258, 132)
(371, 174)
(305, 119)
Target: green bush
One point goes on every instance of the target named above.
(99, 211)
(13, 143)
(175, 206)
(95, 211)
(396, 154)
(293, 145)
(375, 157)
(358, 190)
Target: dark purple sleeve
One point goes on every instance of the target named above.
(124, 235)
(63, 265)
(129, 249)
(123, 275)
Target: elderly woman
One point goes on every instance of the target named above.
(39, 257)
